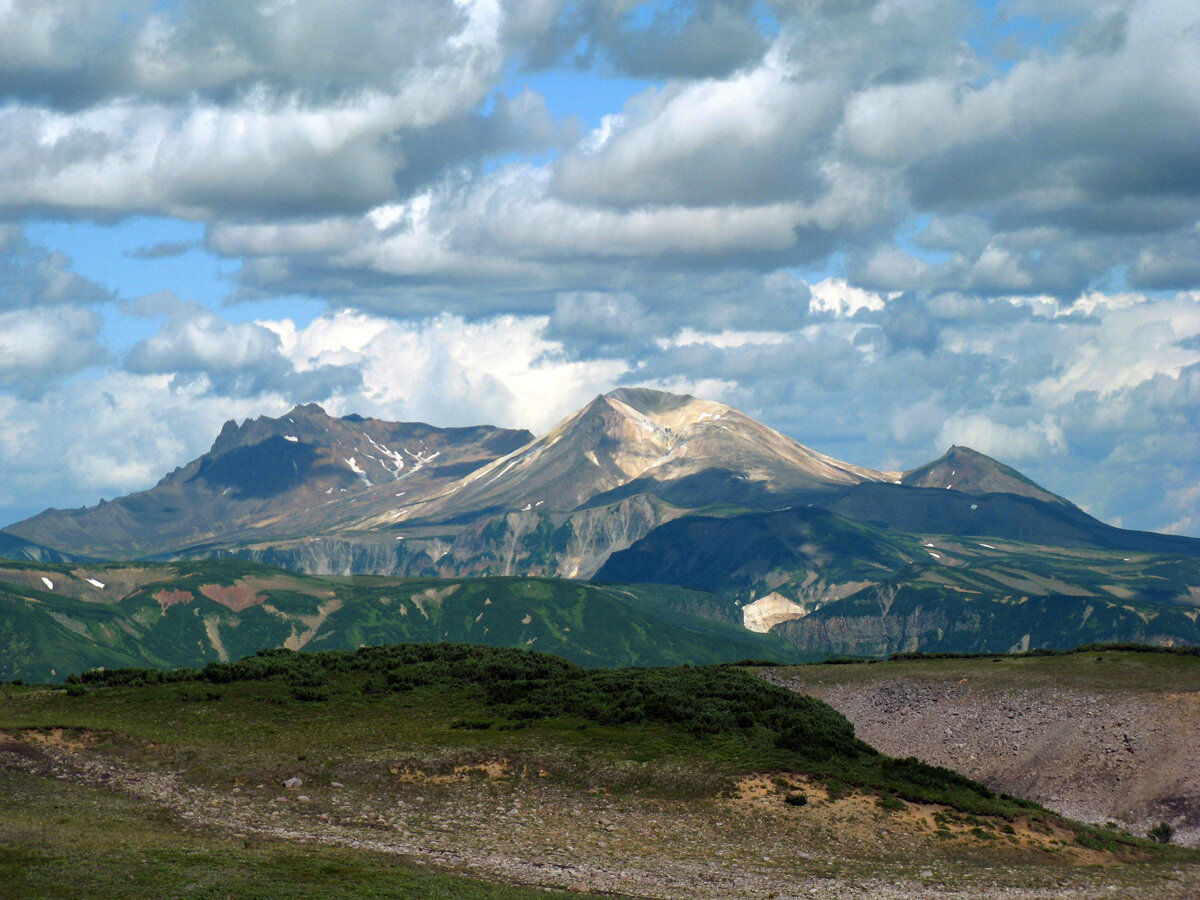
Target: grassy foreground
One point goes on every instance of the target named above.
(518, 766)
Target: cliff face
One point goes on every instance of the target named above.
(877, 622)
(516, 543)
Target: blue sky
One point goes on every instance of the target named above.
(880, 227)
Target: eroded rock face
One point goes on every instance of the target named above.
(572, 545)
(1097, 755)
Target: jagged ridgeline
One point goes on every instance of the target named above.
(719, 711)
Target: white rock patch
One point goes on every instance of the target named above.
(766, 612)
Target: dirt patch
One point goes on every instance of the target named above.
(236, 597)
(487, 770)
(312, 624)
(171, 598)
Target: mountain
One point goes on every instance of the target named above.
(315, 493)
(636, 441)
(970, 472)
(301, 474)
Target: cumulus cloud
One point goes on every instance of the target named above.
(503, 370)
(233, 359)
(40, 346)
(1026, 440)
(33, 276)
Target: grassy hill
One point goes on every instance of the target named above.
(55, 619)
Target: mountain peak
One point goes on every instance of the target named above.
(971, 472)
(649, 401)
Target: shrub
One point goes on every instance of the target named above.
(310, 694)
(1162, 832)
(796, 798)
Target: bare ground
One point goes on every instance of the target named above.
(1095, 754)
(507, 822)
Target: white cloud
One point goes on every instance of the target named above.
(837, 296)
(40, 345)
(1028, 440)
(451, 372)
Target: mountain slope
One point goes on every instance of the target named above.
(13, 547)
(56, 619)
(639, 438)
(1010, 516)
(840, 587)
(971, 472)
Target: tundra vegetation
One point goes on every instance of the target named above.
(508, 764)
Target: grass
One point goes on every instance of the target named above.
(663, 752)
(1103, 669)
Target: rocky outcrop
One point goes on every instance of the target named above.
(573, 545)
(1098, 754)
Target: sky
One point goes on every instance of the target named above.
(880, 226)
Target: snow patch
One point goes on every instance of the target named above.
(292, 438)
(989, 546)
(974, 506)
(934, 555)
(48, 583)
(94, 583)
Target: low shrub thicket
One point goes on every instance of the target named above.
(772, 725)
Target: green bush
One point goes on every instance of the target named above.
(310, 694)
(796, 798)
(1162, 832)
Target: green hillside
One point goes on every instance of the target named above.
(188, 614)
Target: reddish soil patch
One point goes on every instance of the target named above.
(172, 598)
(237, 597)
